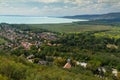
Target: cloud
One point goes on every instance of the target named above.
(47, 1)
(108, 1)
(58, 7)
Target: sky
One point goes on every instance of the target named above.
(58, 7)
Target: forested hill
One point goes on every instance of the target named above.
(97, 16)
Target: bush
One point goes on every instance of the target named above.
(14, 71)
(3, 77)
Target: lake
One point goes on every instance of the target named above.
(35, 20)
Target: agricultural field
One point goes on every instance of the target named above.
(70, 28)
(114, 33)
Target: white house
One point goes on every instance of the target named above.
(102, 69)
(115, 72)
(30, 56)
(31, 60)
(83, 64)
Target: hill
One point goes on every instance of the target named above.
(98, 46)
(96, 17)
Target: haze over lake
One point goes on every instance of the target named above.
(35, 20)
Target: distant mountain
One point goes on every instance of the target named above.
(13, 15)
(112, 16)
(22, 15)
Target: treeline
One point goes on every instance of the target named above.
(109, 22)
(25, 27)
(88, 41)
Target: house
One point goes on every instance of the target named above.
(48, 36)
(49, 44)
(102, 69)
(26, 45)
(31, 60)
(42, 62)
(30, 56)
(100, 72)
(112, 46)
(115, 72)
(83, 64)
(67, 65)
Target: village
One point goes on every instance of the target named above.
(16, 38)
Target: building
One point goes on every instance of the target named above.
(67, 65)
(115, 72)
(83, 64)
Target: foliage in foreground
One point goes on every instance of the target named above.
(17, 68)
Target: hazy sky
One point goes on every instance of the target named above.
(58, 7)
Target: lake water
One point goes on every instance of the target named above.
(35, 20)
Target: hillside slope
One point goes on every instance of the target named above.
(96, 17)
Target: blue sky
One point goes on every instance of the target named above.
(58, 7)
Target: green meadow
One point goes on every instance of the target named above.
(70, 28)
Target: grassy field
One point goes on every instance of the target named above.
(2, 41)
(70, 27)
(113, 33)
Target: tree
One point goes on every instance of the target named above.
(93, 65)
(3, 77)
(59, 61)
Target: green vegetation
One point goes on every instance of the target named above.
(51, 45)
(2, 41)
(74, 27)
(83, 47)
(17, 68)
